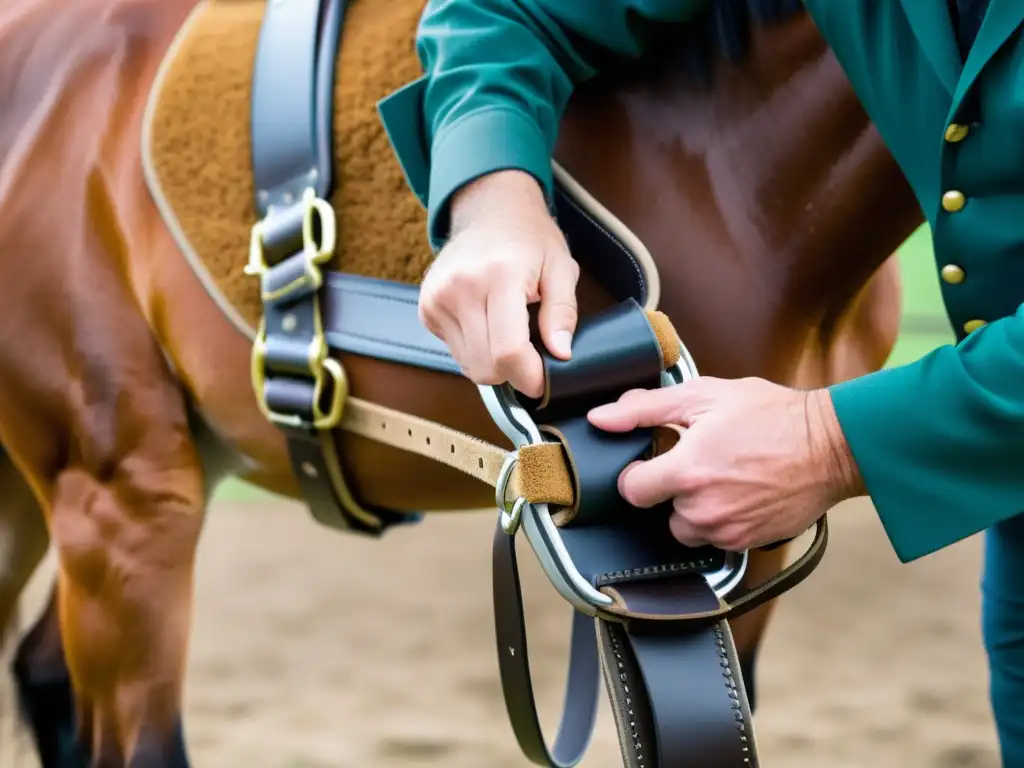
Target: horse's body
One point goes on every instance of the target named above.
(768, 202)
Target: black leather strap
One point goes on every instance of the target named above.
(581, 694)
(678, 699)
(293, 100)
(292, 144)
(675, 686)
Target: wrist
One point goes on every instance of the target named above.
(831, 450)
(499, 194)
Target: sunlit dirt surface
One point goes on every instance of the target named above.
(313, 650)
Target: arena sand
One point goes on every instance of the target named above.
(313, 650)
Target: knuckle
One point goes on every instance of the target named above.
(506, 355)
(429, 311)
(465, 281)
(572, 267)
(428, 319)
(503, 271)
(631, 396)
(689, 481)
(732, 539)
(486, 375)
(562, 310)
(703, 528)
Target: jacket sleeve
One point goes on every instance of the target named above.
(497, 77)
(940, 442)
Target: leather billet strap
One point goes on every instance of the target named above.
(297, 385)
(665, 646)
(293, 100)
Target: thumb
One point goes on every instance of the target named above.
(679, 404)
(558, 311)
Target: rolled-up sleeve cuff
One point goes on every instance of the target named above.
(481, 142)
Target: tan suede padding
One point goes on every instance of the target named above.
(665, 333)
(544, 476)
(200, 144)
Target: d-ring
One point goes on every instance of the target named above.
(512, 516)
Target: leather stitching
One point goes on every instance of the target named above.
(632, 259)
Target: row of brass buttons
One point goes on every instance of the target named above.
(953, 201)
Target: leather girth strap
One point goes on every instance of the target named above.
(663, 641)
(299, 387)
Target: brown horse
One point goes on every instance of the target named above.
(768, 202)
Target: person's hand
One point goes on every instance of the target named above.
(505, 253)
(756, 463)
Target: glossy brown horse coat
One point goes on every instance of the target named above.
(124, 392)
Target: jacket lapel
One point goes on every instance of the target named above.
(930, 21)
(1002, 20)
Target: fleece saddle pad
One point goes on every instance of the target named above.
(197, 148)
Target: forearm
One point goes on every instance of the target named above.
(938, 442)
(503, 194)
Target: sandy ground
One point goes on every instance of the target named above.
(312, 650)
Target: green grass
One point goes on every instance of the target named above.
(924, 324)
(924, 328)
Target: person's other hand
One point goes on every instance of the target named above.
(756, 463)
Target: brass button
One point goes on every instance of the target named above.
(956, 132)
(952, 274)
(953, 201)
(972, 325)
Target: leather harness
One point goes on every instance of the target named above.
(648, 611)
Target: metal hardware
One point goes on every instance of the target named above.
(511, 514)
(324, 372)
(322, 368)
(316, 255)
(535, 519)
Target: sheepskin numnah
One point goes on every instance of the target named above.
(198, 147)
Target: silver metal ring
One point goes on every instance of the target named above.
(510, 521)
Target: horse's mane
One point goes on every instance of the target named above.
(722, 31)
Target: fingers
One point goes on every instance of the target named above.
(514, 357)
(645, 484)
(679, 404)
(685, 532)
(443, 325)
(558, 310)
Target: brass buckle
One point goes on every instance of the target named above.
(324, 370)
(315, 254)
(321, 369)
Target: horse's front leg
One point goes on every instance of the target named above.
(126, 537)
(98, 425)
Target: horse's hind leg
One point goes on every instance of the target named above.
(41, 677)
(44, 691)
(23, 540)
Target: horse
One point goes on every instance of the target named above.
(746, 167)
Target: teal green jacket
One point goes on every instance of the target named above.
(940, 442)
